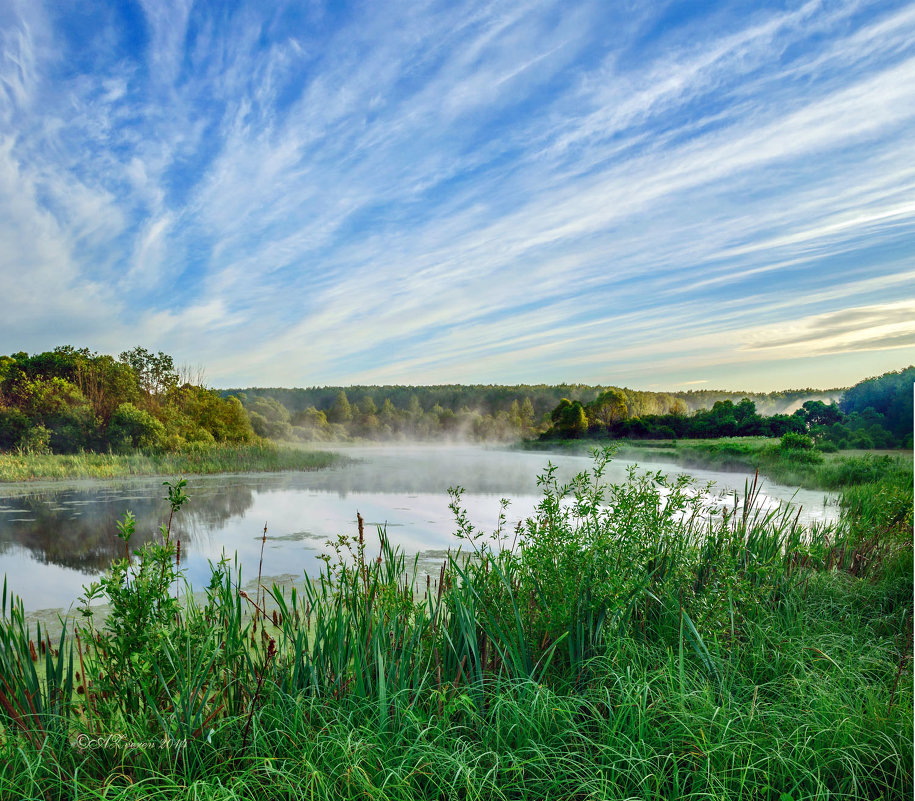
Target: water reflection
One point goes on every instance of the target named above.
(55, 537)
(75, 528)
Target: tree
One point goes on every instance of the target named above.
(341, 411)
(573, 422)
(156, 374)
(217, 418)
(527, 415)
(59, 406)
(132, 428)
(891, 396)
(367, 406)
(818, 413)
(13, 427)
(745, 411)
(388, 414)
(609, 407)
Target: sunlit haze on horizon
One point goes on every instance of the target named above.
(663, 195)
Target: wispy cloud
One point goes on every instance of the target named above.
(480, 191)
(889, 325)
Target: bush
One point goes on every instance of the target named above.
(36, 439)
(132, 428)
(13, 426)
(792, 441)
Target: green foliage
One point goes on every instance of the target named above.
(192, 458)
(35, 440)
(88, 402)
(796, 442)
(132, 428)
(572, 421)
(269, 418)
(622, 643)
(125, 652)
(876, 413)
(609, 407)
(506, 413)
(888, 398)
(14, 425)
(340, 411)
(155, 373)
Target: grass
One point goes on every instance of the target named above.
(810, 469)
(265, 457)
(620, 644)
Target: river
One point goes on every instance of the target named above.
(57, 536)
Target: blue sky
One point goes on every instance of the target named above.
(663, 195)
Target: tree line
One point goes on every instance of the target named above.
(70, 399)
(474, 412)
(875, 413)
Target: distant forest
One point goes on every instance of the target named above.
(472, 412)
(69, 400)
(875, 413)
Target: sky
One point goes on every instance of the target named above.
(664, 195)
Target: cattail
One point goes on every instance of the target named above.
(178, 555)
(32, 651)
(276, 621)
(44, 648)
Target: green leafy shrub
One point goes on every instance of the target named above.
(792, 441)
(143, 613)
(131, 428)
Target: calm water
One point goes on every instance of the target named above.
(56, 537)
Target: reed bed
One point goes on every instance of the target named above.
(621, 643)
(261, 457)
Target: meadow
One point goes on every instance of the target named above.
(621, 643)
(807, 466)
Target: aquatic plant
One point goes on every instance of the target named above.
(623, 642)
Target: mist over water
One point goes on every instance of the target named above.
(56, 537)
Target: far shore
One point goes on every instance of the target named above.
(258, 458)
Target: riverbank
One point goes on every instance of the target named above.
(258, 458)
(638, 651)
(811, 469)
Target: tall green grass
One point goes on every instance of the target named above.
(804, 468)
(621, 643)
(263, 457)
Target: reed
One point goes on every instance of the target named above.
(627, 644)
(263, 457)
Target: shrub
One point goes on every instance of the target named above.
(792, 441)
(132, 428)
